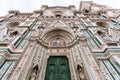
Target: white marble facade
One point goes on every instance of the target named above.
(88, 37)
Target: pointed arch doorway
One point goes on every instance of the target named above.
(57, 68)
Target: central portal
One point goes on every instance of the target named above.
(57, 68)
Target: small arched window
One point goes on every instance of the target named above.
(58, 16)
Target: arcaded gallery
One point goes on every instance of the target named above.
(61, 43)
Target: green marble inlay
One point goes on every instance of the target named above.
(57, 69)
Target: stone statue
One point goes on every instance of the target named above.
(35, 70)
(79, 68)
(80, 72)
(33, 76)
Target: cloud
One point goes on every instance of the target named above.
(30, 5)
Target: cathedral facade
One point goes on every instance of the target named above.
(61, 43)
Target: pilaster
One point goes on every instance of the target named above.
(91, 66)
(25, 63)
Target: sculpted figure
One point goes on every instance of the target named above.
(35, 70)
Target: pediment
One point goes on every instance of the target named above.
(58, 24)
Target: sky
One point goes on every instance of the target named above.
(31, 5)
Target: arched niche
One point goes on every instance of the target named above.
(58, 16)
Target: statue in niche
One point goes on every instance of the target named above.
(35, 68)
(33, 76)
(34, 73)
(80, 71)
